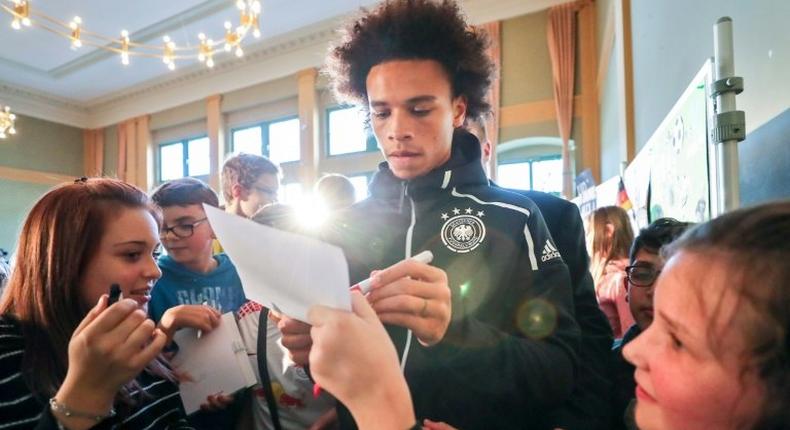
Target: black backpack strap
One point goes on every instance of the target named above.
(263, 369)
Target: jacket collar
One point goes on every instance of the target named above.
(462, 169)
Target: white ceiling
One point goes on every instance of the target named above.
(89, 87)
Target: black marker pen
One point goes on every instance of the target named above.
(115, 294)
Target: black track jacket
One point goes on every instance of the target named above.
(510, 350)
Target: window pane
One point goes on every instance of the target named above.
(284, 141)
(290, 194)
(347, 132)
(547, 175)
(360, 187)
(513, 175)
(197, 157)
(248, 140)
(171, 161)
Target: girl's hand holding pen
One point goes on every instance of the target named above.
(110, 347)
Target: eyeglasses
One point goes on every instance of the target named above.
(272, 194)
(641, 276)
(182, 231)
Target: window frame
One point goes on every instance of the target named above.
(370, 145)
(263, 126)
(184, 142)
(531, 161)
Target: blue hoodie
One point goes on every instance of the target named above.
(220, 288)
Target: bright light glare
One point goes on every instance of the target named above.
(311, 212)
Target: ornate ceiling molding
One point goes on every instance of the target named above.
(265, 61)
(45, 106)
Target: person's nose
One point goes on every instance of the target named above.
(401, 126)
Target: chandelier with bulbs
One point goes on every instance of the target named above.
(23, 15)
(6, 122)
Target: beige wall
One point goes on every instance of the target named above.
(39, 146)
(526, 78)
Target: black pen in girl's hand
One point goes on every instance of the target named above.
(115, 294)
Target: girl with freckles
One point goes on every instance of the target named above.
(68, 358)
(717, 355)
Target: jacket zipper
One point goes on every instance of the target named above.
(407, 254)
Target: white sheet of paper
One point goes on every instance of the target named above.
(216, 362)
(283, 271)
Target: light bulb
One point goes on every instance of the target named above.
(227, 25)
(239, 52)
(201, 36)
(76, 43)
(201, 57)
(78, 20)
(124, 33)
(256, 33)
(171, 65)
(256, 7)
(26, 21)
(15, 24)
(125, 58)
(241, 5)
(12, 130)
(210, 62)
(227, 47)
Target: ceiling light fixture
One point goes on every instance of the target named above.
(7, 122)
(23, 14)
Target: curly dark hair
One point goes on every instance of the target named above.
(412, 30)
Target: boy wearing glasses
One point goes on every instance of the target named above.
(646, 263)
(191, 274)
(249, 182)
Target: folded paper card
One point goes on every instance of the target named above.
(283, 271)
(215, 362)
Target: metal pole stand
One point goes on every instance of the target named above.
(729, 124)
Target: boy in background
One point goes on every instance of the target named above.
(646, 264)
(191, 273)
(249, 182)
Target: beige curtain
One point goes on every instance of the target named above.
(135, 154)
(561, 32)
(93, 152)
(492, 125)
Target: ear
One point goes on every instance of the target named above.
(487, 150)
(627, 290)
(459, 111)
(236, 191)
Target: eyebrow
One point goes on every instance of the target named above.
(182, 219)
(131, 242)
(411, 101)
(674, 325)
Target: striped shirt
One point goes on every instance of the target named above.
(21, 409)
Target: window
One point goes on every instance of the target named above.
(189, 157)
(284, 141)
(547, 175)
(277, 140)
(290, 194)
(360, 183)
(346, 132)
(539, 174)
(248, 140)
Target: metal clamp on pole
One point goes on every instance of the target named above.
(729, 124)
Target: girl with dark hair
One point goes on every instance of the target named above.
(717, 355)
(68, 357)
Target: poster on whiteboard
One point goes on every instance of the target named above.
(678, 155)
